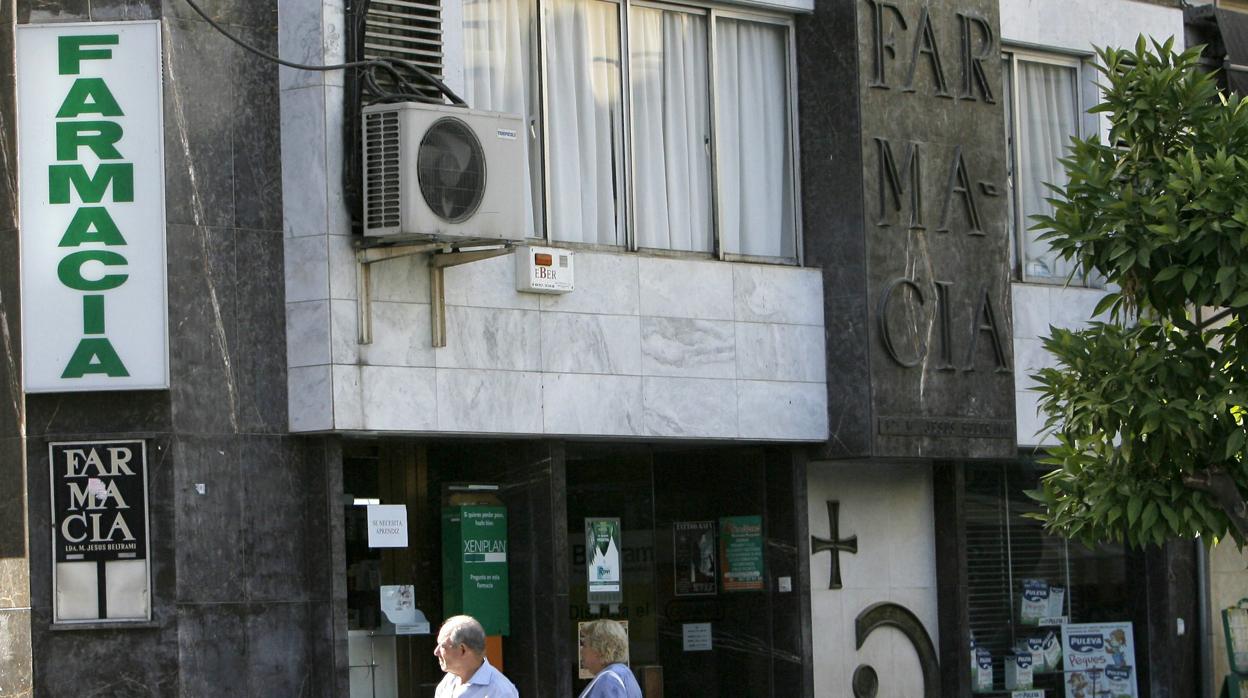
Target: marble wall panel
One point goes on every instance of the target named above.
(605, 283)
(1031, 429)
(401, 334)
(39, 11)
(301, 39)
(339, 219)
(777, 294)
(771, 410)
(212, 649)
(488, 338)
(96, 661)
(8, 138)
(685, 289)
(344, 333)
(305, 177)
(306, 261)
(255, 133)
(578, 343)
(888, 506)
(307, 333)
(311, 406)
(275, 489)
(406, 280)
(491, 283)
(203, 311)
(348, 398)
(211, 561)
(261, 332)
(342, 264)
(13, 584)
(199, 113)
(278, 657)
(688, 348)
(684, 407)
(1031, 309)
(247, 13)
(592, 404)
(489, 401)
(17, 678)
(399, 399)
(124, 10)
(780, 352)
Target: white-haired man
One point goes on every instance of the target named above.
(461, 654)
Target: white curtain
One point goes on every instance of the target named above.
(1048, 117)
(753, 158)
(671, 129)
(585, 121)
(497, 65)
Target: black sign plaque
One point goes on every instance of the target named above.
(99, 500)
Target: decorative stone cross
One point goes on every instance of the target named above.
(833, 544)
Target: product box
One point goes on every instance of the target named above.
(1018, 671)
(981, 670)
(1052, 650)
(1057, 602)
(1035, 601)
(1035, 647)
(1119, 681)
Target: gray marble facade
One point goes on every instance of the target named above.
(243, 599)
(904, 200)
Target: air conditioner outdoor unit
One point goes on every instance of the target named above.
(443, 173)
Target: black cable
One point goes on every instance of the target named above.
(392, 66)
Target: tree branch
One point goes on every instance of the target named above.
(1218, 484)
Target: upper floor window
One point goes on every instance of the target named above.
(656, 126)
(1043, 113)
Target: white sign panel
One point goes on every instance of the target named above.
(387, 526)
(90, 139)
(696, 637)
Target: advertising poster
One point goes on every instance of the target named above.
(1099, 660)
(474, 565)
(99, 531)
(603, 542)
(741, 552)
(693, 550)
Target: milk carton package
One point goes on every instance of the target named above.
(1120, 681)
(1057, 602)
(1052, 650)
(1035, 647)
(1018, 674)
(1035, 603)
(981, 670)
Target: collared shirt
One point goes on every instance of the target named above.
(614, 681)
(488, 682)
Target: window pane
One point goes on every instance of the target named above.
(671, 129)
(753, 155)
(586, 121)
(498, 64)
(1047, 118)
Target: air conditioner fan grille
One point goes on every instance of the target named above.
(450, 169)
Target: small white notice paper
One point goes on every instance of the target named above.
(387, 525)
(697, 636)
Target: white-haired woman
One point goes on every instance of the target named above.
(604, 647)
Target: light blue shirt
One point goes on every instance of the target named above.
(614, 681)
(488, 682)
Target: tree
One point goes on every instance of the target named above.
(1148, 408)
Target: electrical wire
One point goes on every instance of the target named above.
(393, 67)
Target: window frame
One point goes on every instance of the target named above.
(712, 12)
(1012, 55)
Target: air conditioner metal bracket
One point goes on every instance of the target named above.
(441, 256)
